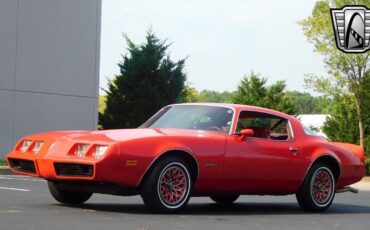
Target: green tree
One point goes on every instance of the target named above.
(101, 103)
(188, 94)
(308, 104)
(148, 80)
(342, 124)
(214, 96)
(253, 90)
(322, 104)
(347, 73)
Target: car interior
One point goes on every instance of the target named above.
(264, 125)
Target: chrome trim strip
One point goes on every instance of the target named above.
(291, 131)
(289, 126)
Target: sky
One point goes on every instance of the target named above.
(223, 40)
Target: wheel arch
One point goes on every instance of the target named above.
(332, 161)
(329, 159)
(184, 154)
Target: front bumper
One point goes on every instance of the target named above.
(52, 169)
(58, 159)
(58, 165)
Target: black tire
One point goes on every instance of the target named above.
(159, 186)
(224, 200)
(68, 197)
(315, 195)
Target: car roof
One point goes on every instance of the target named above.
(240, 107)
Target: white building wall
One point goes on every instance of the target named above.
(49, 67)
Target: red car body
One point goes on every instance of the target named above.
(224, 163)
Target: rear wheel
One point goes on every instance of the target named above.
(225, 200)
(68, 197)
(318, 189)
(167, 187)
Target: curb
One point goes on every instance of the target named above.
(5, 170)
(364, 184)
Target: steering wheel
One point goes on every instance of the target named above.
(214, 128)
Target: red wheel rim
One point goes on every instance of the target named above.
(322, 186)
(173, 185)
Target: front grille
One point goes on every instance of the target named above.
(70, 169)
(23, 165)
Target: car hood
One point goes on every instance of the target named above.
(116, 135)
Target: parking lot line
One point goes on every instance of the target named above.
(15, 189)
(19, 178)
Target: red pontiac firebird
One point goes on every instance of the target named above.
(217, 150)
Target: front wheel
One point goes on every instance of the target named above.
(318, 189)
(168, 185)
(68, 197)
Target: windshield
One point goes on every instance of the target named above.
(196, 117)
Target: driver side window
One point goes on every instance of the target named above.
(264, 125)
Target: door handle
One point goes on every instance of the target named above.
(294, 150)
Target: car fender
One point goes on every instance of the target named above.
(163, 150)
(314, 157)
(137, 156)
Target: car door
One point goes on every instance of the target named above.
(265, 163)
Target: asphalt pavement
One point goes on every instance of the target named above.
(25, 203)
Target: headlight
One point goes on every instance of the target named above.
(25, 145)
(38, 146)
(99, 151)
(81, 149)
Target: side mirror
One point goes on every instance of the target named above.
(246, 133)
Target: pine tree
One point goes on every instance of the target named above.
(148, 80)
(342, 125)
(253, 90)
